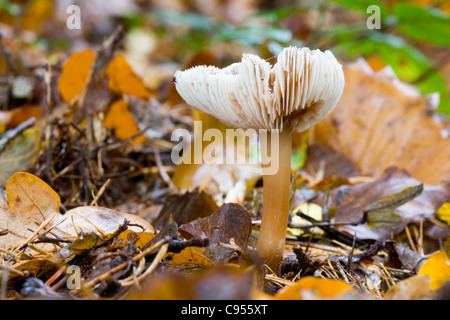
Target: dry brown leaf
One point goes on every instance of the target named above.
(380, 122)
(350, 202)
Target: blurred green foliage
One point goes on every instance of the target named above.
(403, 26)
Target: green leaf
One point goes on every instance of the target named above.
(362, 5)
(423, 24)
(254, 35)
(277, 15)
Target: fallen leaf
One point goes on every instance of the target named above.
(351, 201)
(20, 154)
(312, 288)
(444, 212)
(380, 122)
(413, 288)
(122, 122)
(99, 220)
(122, 78)
(333, 162)
(437, 268)
(30, 201)
(74, 74)
(211, 284)
(22, 114)
(190, 257)
(185, 208)
(230, 221)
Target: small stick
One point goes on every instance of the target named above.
(100, 192)
(41, 227)
(411, 242)
(122, 266)
(55, 276)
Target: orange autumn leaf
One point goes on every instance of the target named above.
(122, 122)
(316, 288)
(190, 256)
(74, 74)
(437, 268)
(22, 114)
(30, 201)
(123, 79)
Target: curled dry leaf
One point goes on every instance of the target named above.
(380, 122)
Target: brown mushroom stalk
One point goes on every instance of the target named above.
(297, 92)
(276, 192)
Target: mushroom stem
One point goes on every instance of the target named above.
(276, 194)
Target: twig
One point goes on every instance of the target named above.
(11, 134)
(100, 192)
(122, 266)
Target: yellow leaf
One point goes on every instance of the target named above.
(122, 79)
(437, 268)
(315, 288)
(30, 202)
(122, 121)
(190, 256)
(74, 74)
(444, 212)
(28, 194)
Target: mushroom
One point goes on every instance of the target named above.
(301, 89)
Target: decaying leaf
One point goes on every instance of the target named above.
(185, 208)
(230, 222)
(351, 202)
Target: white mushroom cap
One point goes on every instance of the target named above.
(301, 89)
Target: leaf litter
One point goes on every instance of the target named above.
(104, 198)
